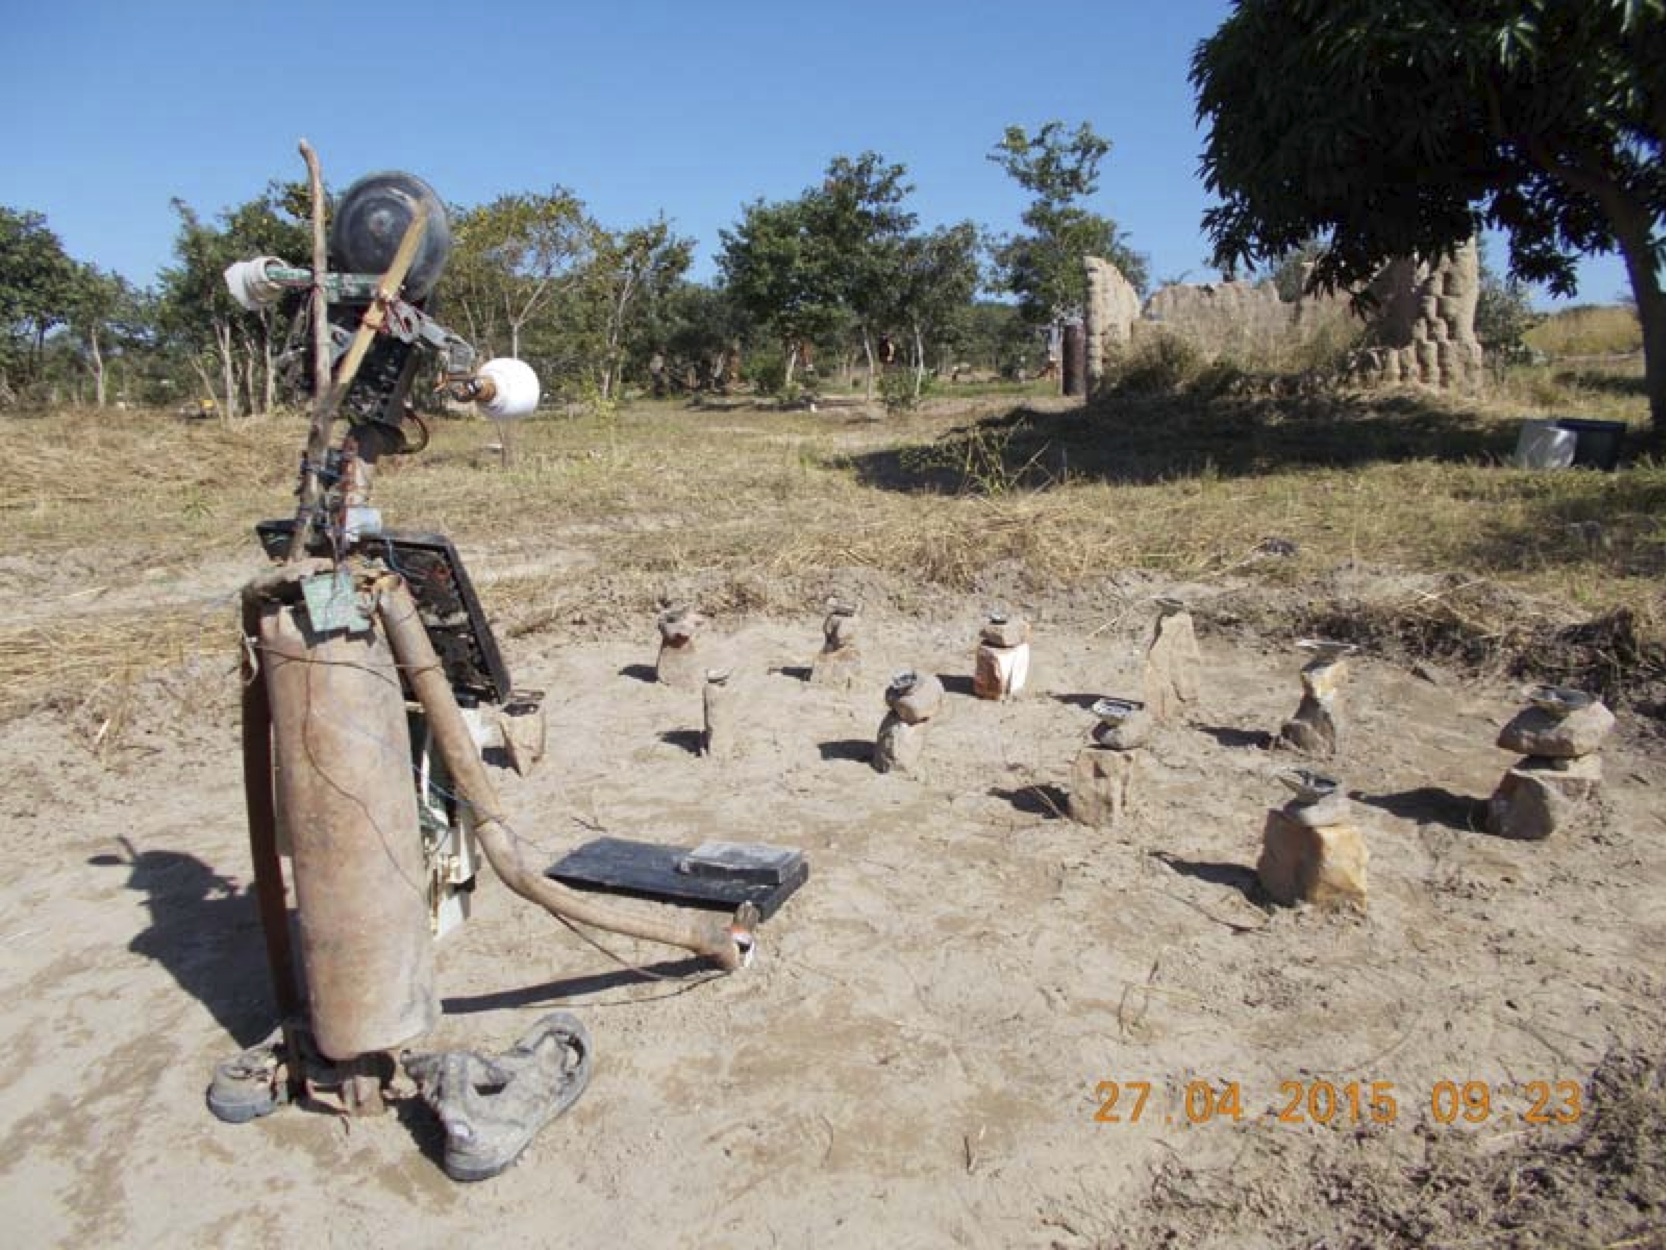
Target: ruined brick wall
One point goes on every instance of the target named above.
(1113, 308)
(1247, 322)
(1423, 332)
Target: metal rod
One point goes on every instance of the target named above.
(327, 402)
(270, 902)
(723, 943)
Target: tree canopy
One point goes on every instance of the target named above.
(1402, 127)
(198, 313)
(1043, 266)
(842, 256)
(509, 261)
(37, 290)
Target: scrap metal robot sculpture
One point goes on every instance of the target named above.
(372, 686)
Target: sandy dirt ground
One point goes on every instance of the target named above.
(917, 1056)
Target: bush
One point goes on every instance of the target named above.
(897, 389)
(767, 373)
(1157, 365)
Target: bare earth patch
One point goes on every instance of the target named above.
(918, 1056)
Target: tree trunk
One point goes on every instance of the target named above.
(98, 366)
(616, 334)
(868, 358)
(269, 366)
(228, 367)
(920, 359)
(1630, 220)
(249, 370)
(1632, 230)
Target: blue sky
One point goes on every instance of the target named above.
(640, 107)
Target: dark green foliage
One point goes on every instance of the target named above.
(1401, 127)
(1043, 267)
(37, 292)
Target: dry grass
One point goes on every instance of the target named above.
(763, 511)
(1589, 330)
(164, 490)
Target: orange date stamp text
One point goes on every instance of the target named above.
(1319, 1101)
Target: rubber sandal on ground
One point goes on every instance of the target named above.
(246, 1086)
(492, 1107)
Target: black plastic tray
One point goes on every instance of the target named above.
(649, 870)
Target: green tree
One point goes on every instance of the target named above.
(933, 286)
(107, 317)
(205, 322)
(510, 261)
(859, 229)
(1504, 314)
(992, 335)
(1290, 273)
(694, 327)
(629, 272)
(37, 281)
(775, 270)
(1043, 267)
(1400, 127)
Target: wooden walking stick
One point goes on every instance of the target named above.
(329, 399)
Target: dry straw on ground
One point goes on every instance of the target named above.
(1261, 492)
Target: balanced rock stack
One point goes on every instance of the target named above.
(912, 699)
(717, 701)
(839, 662)
(1311, 850)
(1169, 679)
(1002, 665)
(1558, 736)
(1316, 729)
(1105, 772)
(679, 662)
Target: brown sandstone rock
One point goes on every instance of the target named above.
(1323, 866)
(718, 704)
(1169, 679)
(1534, 731)
(1540, 796)
(900, 747)
(1102, 782)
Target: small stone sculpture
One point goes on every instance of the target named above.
(1558, 735)
(717, 700)
(1316, 728)
(1169, 680)
(1105, 773)
(678, 663)
(912, 699)
(1311, 850)
(839, 663)
(1002, 665)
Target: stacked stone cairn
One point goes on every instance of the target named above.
(1002, 664)
(521, 723)
(912, 699)
(717, 700)
(1311, 850)
(839, 663)
(1317, 727)
(679, 662)
(1105, 773)
(1558, 735)
(1169, 679)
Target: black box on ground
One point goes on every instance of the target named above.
(1597, 444)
